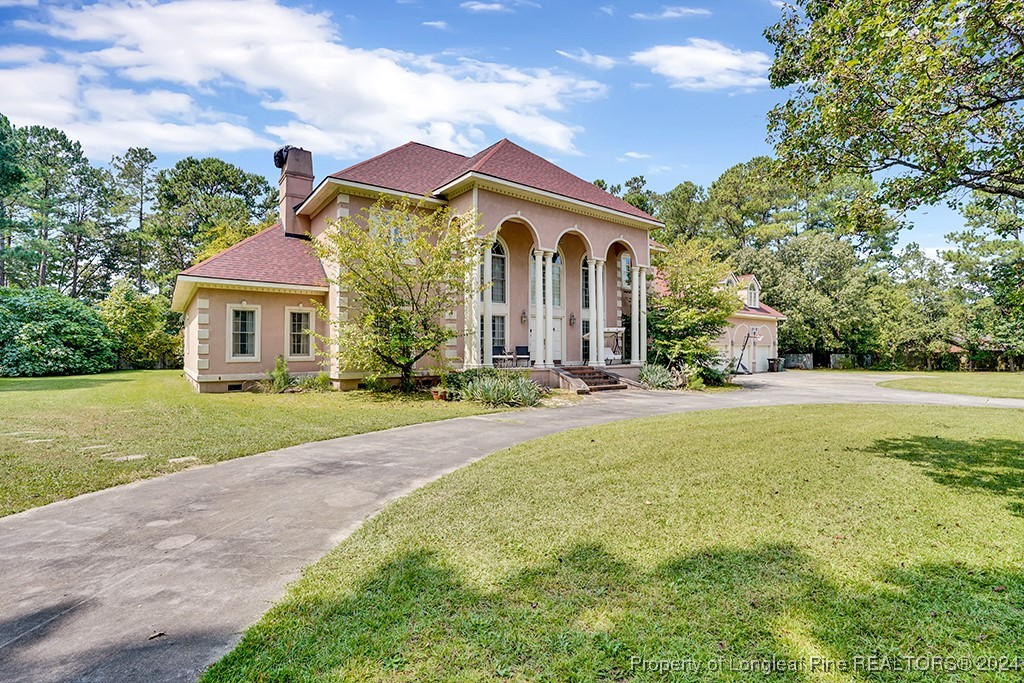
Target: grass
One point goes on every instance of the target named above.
(60, 437)
(991, 384)
(714, 539)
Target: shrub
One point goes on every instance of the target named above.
(656, 377)
(43, 332)
(279, 378)
(377, 384)
(501, 388)
(457, 381)
(711, 377)
(145, 332)
(318, 383)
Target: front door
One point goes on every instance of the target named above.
(557, 331)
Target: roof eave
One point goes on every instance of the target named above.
(471, 176)
(329, 186)
(185, 287)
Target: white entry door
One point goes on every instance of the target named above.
(557, 332)
(557, 341)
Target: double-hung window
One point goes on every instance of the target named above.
(299, 344)
(244, 338)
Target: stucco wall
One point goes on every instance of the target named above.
(272, 333)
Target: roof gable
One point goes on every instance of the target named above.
(413, 168)
(422, 170)
(506, 160)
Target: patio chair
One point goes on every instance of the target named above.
(501, 357)
(522, 353)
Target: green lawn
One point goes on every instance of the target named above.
(724, 536)
(60, 437)
(992, 384)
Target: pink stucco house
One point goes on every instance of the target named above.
(752, 334)
(255, 300)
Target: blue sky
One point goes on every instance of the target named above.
(610, 90)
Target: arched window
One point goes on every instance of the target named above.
(627, 267)
(584, 285)
(556, 277)
(499, 261)
(752, 298)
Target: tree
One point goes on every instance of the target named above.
(749, 205)
(927, 91)
(136, 182)
(691, 309)
(12, 175)
(636, 193)
(821, 286)
(196, 200)
(43, 332)
(403, 268)
(681, 210)
(915, 314)
(50, 159)
(139, 324)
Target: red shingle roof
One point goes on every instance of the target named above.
(267, 256)
(763, 309)
(413, 168)
(422, 170)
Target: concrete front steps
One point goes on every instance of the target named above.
(596, 380)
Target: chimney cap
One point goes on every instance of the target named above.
(281, 156)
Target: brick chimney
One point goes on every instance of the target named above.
(295, 184)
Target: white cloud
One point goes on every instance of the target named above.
(608, 9)
(634, 155)
(706, 65)
(485, 7)
(672, 13)
(657, 170)
(21, 54)
(443, 25)
(18, 3)
(585, 57)
(156, 74)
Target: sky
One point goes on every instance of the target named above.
(604, 89)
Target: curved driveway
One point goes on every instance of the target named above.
(155, 580)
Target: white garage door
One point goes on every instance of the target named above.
(762, 353)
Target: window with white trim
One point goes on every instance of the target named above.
(584, 285)
(300, 339)
(244, 338)
(498, 274)
(497, 333)
(627, 275)
(556, 278)
(585, 340)
(752, 298)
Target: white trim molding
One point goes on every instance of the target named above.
(229, 333)
(185, 287)
(288, 310)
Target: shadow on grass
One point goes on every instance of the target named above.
(585, 615)
(994, 465)
(55, 383)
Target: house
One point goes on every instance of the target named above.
(257, 299)
(752, 334)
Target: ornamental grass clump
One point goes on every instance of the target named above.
(510, 389)
(656, 377)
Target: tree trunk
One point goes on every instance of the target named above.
(407, 385)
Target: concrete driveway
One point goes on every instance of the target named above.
(154, 581)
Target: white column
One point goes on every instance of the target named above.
(643, 315)
(591, 279)
(549, 310)
(471, 353)
(488, 331)
(600, 312)
(538, 309)
(634, 315)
